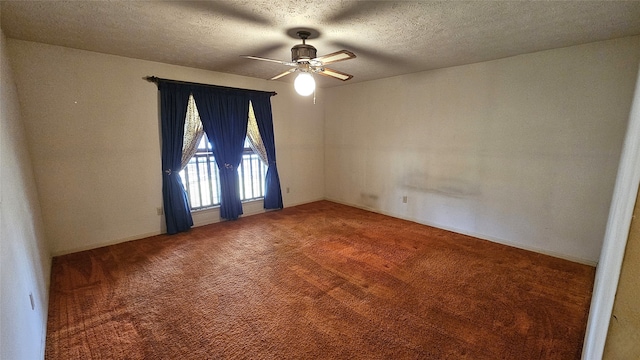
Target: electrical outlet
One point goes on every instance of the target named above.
(33, 304)
(159, 211)
(404, 199)
(287, 190)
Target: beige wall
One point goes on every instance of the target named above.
(505, 150)
(92, 125)
(24, 257)
(623, 339)
(522, 150)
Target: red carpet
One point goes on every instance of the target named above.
(318, 281)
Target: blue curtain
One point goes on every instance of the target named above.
(262, 110)
(173, 109)
(224, 115)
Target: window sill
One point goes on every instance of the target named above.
(217, 207)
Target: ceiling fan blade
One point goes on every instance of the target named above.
(289, 63)
(336, 74)
(335, 57)
(283, 74)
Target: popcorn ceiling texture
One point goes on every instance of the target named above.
(389, 38)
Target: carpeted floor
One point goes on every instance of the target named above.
(317, 281)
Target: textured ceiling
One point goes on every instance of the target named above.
(389, 37)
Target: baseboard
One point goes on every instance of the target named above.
(45, 307)
(305, 202)
(252, 211)
(200, 218)
(105, 243)
(476, 235)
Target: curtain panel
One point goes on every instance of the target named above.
(173, 109)
(224, 113)
(262, 109)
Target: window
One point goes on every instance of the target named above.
(201, 176)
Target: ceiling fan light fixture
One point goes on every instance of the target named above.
(304, 84)
(306, 62)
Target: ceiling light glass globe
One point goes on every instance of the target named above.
(304, 84)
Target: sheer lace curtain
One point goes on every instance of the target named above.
(193, 133)
(253, 134)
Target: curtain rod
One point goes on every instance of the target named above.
(155, 79)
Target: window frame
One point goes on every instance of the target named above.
(211, 179)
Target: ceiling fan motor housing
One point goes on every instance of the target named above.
(303, 52)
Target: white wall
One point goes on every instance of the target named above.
(24, 258)
(621, 344)
(93, 129)
(522, 150)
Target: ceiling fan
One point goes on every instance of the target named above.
(305, 61)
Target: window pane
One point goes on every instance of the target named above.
(201, 177)
(205, 194)
(203, 144)
(192, 185)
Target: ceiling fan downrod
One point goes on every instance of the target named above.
(304, 35)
